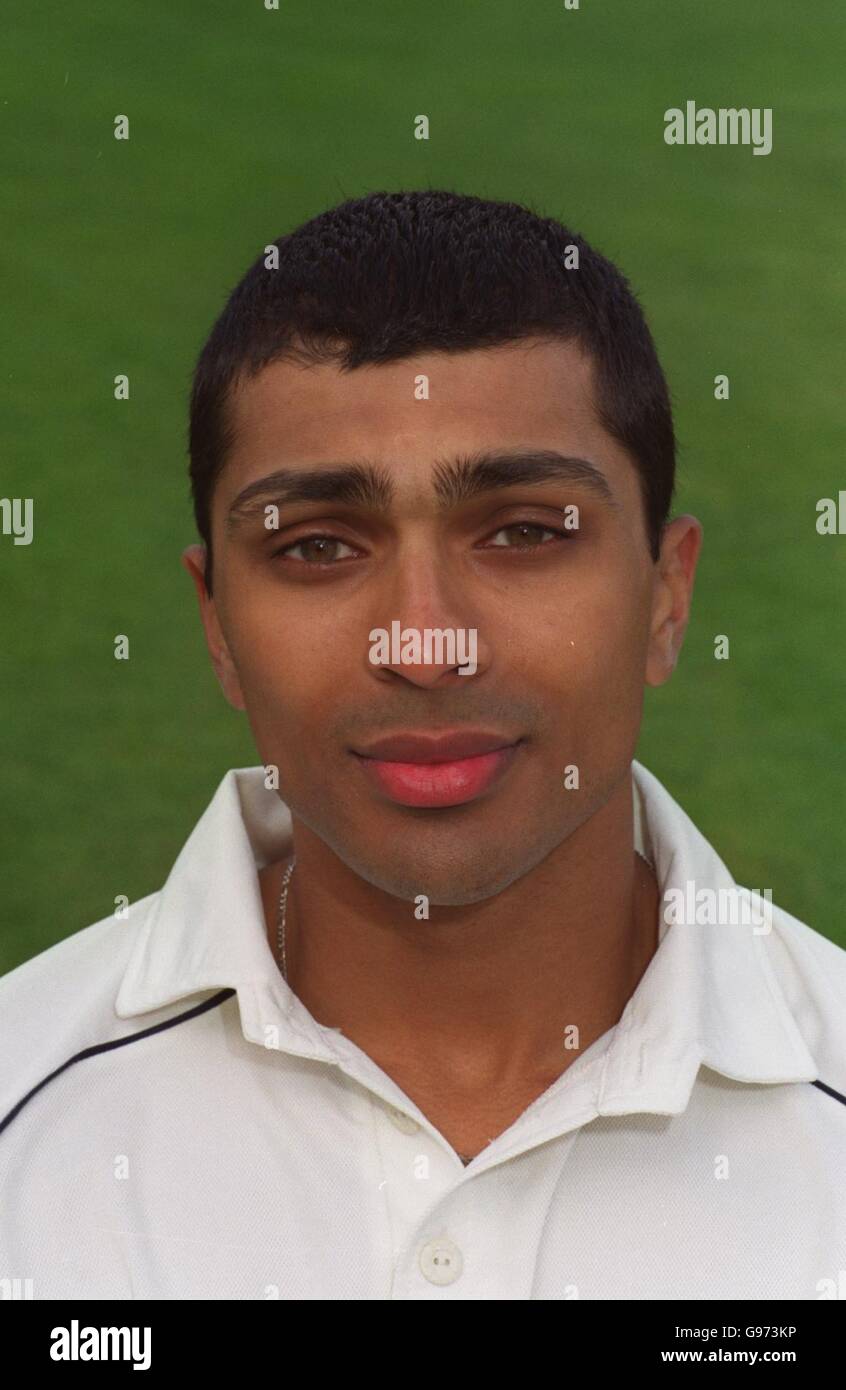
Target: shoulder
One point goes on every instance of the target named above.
(63, 1000)
(810, 971)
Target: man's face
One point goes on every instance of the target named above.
(570, 620)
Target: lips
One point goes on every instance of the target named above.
(435, 748)
(430, 770)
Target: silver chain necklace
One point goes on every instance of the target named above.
(280, 941)
(283, 913)
(280, 921)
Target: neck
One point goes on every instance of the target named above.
(486, 993)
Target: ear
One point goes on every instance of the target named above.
(672, 592)
(193, 560)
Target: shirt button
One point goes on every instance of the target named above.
(441, 1261)
(402, 1121)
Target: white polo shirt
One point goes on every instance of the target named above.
(176, 1125)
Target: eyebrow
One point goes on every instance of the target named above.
(366, 484)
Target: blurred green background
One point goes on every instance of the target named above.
(243, 123)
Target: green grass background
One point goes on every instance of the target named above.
(243, 123)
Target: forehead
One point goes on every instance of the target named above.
(407, 415)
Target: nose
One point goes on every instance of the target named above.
(425, 632)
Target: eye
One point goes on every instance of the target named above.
(528, 535)
(315, 550)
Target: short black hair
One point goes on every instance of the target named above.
(389, 275)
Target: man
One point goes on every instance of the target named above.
(446, 998)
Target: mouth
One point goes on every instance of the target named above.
(442, 770)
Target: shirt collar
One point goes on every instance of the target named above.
(205, 930)
(709, 995)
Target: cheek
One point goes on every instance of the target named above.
(615, 659)
(586, 650)
(594, 624)
(291, 674)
